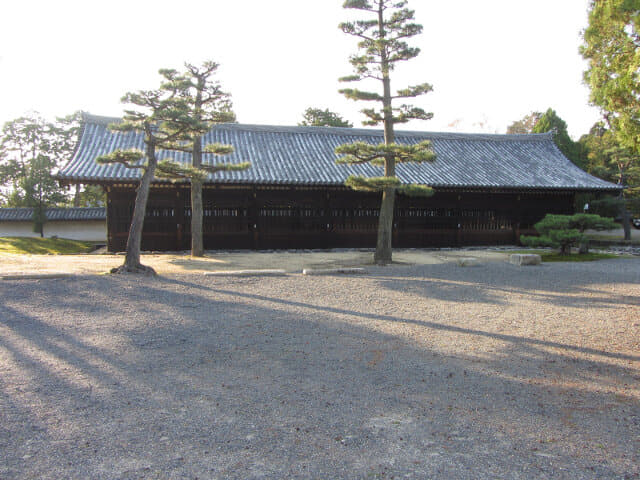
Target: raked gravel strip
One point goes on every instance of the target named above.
(246, 273)
(430, 371)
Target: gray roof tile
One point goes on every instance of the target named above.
(54, 214)
(305, 155)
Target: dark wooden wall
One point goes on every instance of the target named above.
(305, 217)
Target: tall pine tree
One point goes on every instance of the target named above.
(381, 46)
(207, 105)
(164, 118)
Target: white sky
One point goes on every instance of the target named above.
(491, 62)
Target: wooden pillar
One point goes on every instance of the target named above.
(328, 221)
(179, 213)
(254, 215)
(458, 221)
(517, 220)
(110, 220)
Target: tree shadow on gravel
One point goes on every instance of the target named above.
(220, 378)
(562, 284)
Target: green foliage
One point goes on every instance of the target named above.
(205, 104)
(90, 196)
(174, 171)
(382, 45)
(565, 231)
(31, 150)
(218, 149)
(550, 121)
(610, 46)
(525, 125)
(42, 246)
(589, 221)
(226, 167)
(127, 158)
(315, 117)
(372, 184)
(362, 152)
(608, 159)
(415, 190)
(606, 207)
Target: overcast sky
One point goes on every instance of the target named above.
(490, 62)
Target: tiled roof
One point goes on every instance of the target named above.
(54, 214)
(305, 155)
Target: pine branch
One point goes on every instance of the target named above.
(175, 171)
(350, 78)
(355, 94)
(218, 149)
(227, 167)
(371, 184)
(127, 158)
(362, 152)
(359, 5)
(414, 91)
(415, 190)
(407, 112)
(180, 146)
(359, 152)
(375, 117)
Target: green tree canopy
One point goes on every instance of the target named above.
(611, 43)
(31, 151)
(206, 104)
(565, 231)
(165, 120)
(382, 44)
(549, 121)
(315, 117)
(524, 125)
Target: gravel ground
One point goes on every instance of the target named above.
(430, 371)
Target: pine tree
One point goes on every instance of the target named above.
(382, 45)
(207, 105)
(164, 118)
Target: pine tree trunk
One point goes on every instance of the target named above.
(132, 258)
(384, 247)
(197, 242)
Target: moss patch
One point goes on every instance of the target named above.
(43, 246)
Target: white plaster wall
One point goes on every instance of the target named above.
(90, 231)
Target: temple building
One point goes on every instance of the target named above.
(489, 189)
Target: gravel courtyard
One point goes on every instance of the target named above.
(429, 371)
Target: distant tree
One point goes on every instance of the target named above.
(31, 150)
(315, 117)
(164, 118)
(607, 159)
(89, 196)
(551, 122)
(206, 105)
(565, 231)
(611, 44)
(68, 131)
(382, 45)
(525, 125)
